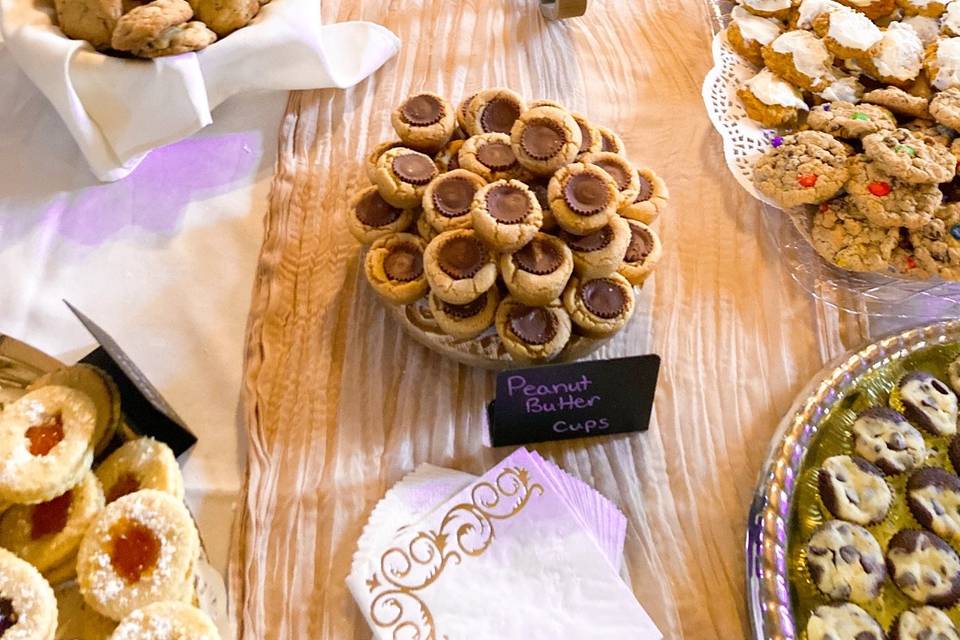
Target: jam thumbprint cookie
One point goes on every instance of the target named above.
(143, 463)
(28, 606)
(166, 621)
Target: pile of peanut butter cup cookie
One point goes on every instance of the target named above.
(866, 94)
(523, 216)
(153, 29)
(95, 540)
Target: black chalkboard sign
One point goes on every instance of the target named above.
(583, 399)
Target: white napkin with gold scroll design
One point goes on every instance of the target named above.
(510, 556)
(119, 109)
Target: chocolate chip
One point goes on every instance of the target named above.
(461, 257)
(939, 386)
(818, 551)
(414, 168)
(937, 508)
(373, 211)
(849, 553)
(404, 262)
(907, 579)
(464, 311)
(497, 156)
(585, 135)
(421, 111)
(868, 565)
(499, 115)
(586, 194)
(507, 204)
(454, 162)
(931, 579)
(539, 257)
(897, 442)
(617, 171)
(603, 297)
(592, 242)
(8, 615)
(641, 244)
(452, 197)
(541, 139)
(533, 325)
(645, 191)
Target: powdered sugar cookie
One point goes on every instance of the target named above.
(140, 550)
(928, 8)
(77, 620)
(800, 58)
(845, 120)
(166, 621)
(874, 9)
(942, 62)
(143, 463)
(950, 20)
(28, 607)
(842, 87)
(805, 168)
(845, 239)
(772, 101)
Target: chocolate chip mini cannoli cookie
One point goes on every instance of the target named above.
(772, 101)
(599, 307)
(48, 534)
(842, 237)
(448, 158)
(924, 568)
(622, 172)
(448, 199)
(652, 198)
(166, 621)
(602, 252)
(899, 102)
(424, 121)
(506, 215)
(590, 139)
(492, 111)
(923, 622)
(46, 444)
(27, 603)
(545, 139)
(491, 156)
(845, 562)
(532, 334)
(538, 272)
(370, 217)
(374, 156)
(945, 108)
(459, 266)
(611, 141)
(897, 59)
(904, 155)
(143, 463)
(933, 496)
(806, 168)
(847, 33)
(465, 321)
(800, 58)
(90, 20)
(928, 8)
(845, 120)
(583, 198)
(831, 621)
(141, 549)
(884, 438)
(779, 9)
(854, 490)
(394, 267)
(223, 17)
(643, 253)
(748, 34)
(403, 175)
(887, 201)
(929, 403)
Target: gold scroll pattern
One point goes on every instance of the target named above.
(467, 530)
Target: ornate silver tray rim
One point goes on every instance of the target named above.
(768, 585)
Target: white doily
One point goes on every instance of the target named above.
(873, 294)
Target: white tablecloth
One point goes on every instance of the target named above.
(163, 260)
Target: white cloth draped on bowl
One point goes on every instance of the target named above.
(119, 109)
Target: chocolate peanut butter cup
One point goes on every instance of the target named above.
(499, 115)
(532, 325)
(498, 156)
(452, 197)
(641, 244)
(645, 192)
(461, 257)
(589, 136)
(541, 139)
(603, 297)
(591, 242)
(404, 262)
(373, 211)
(422, 110)
(539, 257)
(610, 141)
(464, 311)
(617, 170)
(414, 168)
(586, 194)
(507, 204)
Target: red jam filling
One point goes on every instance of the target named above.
(46, 435)
(135, 550)
(50, 517)
(123, 487)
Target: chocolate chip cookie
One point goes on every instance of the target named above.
(144, 30)
(845, 562)
(905, 155)
(223, 17)
(806, 168)
(937, 243)
(885, 438)
(852, 489)
(945, 108)
(90, 20)
(924, 568)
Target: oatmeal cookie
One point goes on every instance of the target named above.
(904, 260)
(545, 139)
(945, 108)
(532, 334)
(748, 34)
(424, 121)
(90, 20)
(846, 88)
(771, 101)
(898, 101)
(937, 243)
(903, 154)
(145, 25)
(192, 36)
(223, 17)
(806, 168)
(845, 120)
(897, 59)
(492, 111)
(800, 58)
(887, 201)
(928, 129)
(843, 238)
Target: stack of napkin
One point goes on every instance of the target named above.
(526, 551)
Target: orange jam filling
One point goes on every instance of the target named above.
(50, 517)
(135, 550)
(124, 486)
(46, 435)
(8, 615)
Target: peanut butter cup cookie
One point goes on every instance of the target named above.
(448, 158)
(937, 243)
(845, 562)
(28, 606)
(394, 266)
(532, 334)
(611, 141)
(448, 199)
(887, 201)
(459, 266)
(924, 567)
(899, 102)
(583, 198)
(590, 139)
(425, 230)
(854, 490)
(424, 121)
(403, 175)
(538, 272)
(846, 620)
(465, 321)
(843, 237)
(491, 156)
(652, 197)
(492, 111)
(622, 172)
(602, 252)
(643, 253)
(370, 217)
(846, 120)
(806, 168)
(545, 139)
(371, 162)
(506, 215)
(599, 307)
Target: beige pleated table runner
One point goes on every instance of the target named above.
(340, 404)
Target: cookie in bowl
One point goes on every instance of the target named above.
(448, 200)
(161, 28)
(466, 321)
(459, 267)
(583, 198)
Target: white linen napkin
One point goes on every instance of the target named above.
(118, 109)
(505, 558)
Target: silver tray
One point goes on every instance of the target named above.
(767, 580)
